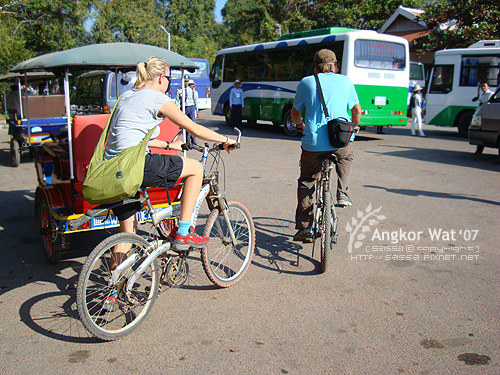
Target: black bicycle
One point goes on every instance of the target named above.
(325, 218)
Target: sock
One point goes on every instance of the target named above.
(184, 227)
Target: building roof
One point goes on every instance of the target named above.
(403, 12)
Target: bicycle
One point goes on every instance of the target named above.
(325, 217)
(112, 303)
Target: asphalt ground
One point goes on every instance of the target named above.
(413, 289)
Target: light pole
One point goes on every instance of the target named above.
(165, 30)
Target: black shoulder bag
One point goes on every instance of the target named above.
(339, 130)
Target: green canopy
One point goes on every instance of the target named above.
(32, 76)
(121, 56)
(112, 56)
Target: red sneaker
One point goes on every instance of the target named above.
(194, 240)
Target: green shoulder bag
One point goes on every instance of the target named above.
(116, 179)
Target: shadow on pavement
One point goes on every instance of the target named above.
(433, 194)
(486, 162)
(275, 250)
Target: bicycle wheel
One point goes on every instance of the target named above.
(326, 230)
(224, 262)
(107, 309)
(52, 241)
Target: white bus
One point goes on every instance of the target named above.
(417, 74)
(455, 82)
(377, 64)
(417, 77)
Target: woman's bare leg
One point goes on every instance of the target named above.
(192, 172)
(120, 251)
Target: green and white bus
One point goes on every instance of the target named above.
(455, 82)
(377, 64)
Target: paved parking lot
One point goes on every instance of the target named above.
(414, 288)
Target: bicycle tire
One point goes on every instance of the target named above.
(326, 230)
(95, 288)
(223, 263)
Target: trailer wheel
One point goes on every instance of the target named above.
(52, 241)
(15, 153)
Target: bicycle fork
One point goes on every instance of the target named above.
(223, 207)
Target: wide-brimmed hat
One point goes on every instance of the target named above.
(191, 82)
(237, 81)
(417, 88)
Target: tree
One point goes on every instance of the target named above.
(359, 14)
(193, 27)
(129, 21)
(248, 21)
(294, 15)
(34, 27)
(459, 23)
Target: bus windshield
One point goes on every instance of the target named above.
(416, 71)
(201, 72)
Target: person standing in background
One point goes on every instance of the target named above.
(486, 93)
(236, 103)
(483, 99)
(416, 111)
(191, 104)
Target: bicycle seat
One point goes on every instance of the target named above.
(329, 155)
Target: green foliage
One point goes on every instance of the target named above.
(248, 21)
(34, 27)
(360, 14)
(128, 21)
(472, 20)
(12, 48)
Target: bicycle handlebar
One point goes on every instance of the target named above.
(217, 146)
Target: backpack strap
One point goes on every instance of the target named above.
(99, 148)
(320, 93)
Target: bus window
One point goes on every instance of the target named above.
(216, 76)
(474, 69)
(379, 55)
(442, 79)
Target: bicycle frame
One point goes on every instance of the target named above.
(156, 249)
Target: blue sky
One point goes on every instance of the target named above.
(219, 4)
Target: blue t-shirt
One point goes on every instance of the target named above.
(340, 95)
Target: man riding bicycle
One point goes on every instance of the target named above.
(340, 95)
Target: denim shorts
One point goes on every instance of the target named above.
(159, 171)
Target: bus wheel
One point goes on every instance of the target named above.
(288, 125)
(227, 115)
(463, 123)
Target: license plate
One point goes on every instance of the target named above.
(380, 100)
(37, 139)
